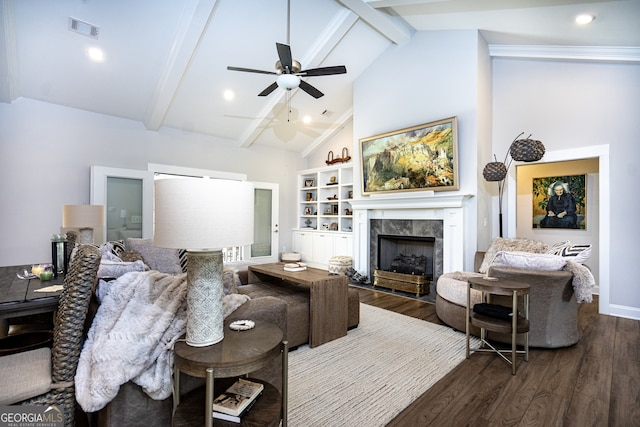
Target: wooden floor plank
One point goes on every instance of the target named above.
(593, 383)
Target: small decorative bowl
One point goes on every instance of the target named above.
(46, 273)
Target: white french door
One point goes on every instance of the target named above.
(266, 223)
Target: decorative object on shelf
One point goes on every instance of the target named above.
(350, 194)
(334, 197)
(333, 226)
(189, 215)
(325, 226)
(309, 182)
(85, 218)
(347, 211)
(345, 157)
(525, 150)
(423, 157)
(333, 181)
(309, 197)
(308, 222)
(307, 210)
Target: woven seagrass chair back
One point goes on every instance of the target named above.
(68, 332)
(69, 323)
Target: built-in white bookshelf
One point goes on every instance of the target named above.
(324, 199)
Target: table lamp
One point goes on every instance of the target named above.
(85, 218)
(203, 216)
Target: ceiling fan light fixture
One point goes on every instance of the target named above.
(288, 81)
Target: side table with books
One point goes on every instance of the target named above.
(225, 367)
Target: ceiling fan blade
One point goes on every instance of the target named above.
(250, 70)
(284, 53)
(273, 86)
(323, 71)
(310, 89)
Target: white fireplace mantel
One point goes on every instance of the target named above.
(410, 202)
(448, 208)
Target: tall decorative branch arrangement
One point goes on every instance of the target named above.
(522, 150)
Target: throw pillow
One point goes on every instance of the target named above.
(164, 260)
(571, 252)
(500, 244)
(528, 261)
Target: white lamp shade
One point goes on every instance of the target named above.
(83, 216)
(203, 214)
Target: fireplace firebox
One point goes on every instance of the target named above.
(405, 263)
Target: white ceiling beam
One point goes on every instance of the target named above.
(392, 29)
(191, 28)
(324, 44)
(9, 88)
(336, 127)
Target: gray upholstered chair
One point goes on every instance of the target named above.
(46, 376)
(553, 310)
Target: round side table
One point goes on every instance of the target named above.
(519, 324)
(239, 353)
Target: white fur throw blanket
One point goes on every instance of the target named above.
(140, 317)
(583, 281)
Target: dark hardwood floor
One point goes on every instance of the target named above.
(593, 383)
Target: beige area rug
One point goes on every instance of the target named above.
(368, 377)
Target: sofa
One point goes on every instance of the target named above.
(553, 308)
(286, 307)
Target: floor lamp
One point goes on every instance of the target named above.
(525, 150)
(203, 216)
(85, 218)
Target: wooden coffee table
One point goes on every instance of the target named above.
(328, 297)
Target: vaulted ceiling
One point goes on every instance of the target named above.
(165, 61)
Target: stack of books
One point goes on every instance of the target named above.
(295, 266)
(234, 403)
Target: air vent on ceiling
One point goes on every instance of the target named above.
(83, 28)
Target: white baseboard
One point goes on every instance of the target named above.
(624, 311)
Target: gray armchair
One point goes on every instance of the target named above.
(553, 310)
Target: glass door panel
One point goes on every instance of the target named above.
(265, 231)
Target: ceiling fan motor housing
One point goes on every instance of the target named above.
(295, 67)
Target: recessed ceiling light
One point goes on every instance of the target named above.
(584, 19)
(96, 54)
(307, 119)
(229, 95)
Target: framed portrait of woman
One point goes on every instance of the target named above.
(560, 202)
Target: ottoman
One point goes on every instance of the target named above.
(339, 264)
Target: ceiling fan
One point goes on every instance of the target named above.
(289, 71)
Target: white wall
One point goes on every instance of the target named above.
(433, 77)
(46, 152)
(571, 105)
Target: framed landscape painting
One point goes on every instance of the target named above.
(423, 157)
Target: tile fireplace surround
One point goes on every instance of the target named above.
(415, 214)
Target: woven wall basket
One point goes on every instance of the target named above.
(526, 150)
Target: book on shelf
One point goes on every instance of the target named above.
(237, 398)
(295, 266)
(233, 418)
